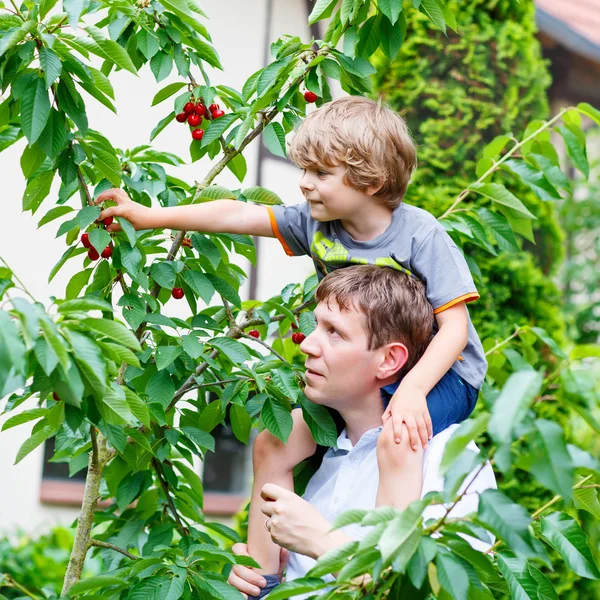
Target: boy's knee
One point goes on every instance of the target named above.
(396, 455)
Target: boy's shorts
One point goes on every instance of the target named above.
(272, 582)
(451, 401)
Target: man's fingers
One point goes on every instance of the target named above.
(284, 556)
(271, 491)
(268, 508)
(240, 549)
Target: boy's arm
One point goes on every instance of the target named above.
(409, 403)
(218, 216)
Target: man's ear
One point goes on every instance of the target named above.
(393, 357)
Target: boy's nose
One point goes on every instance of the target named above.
(306, 183)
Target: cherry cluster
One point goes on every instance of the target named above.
(92, 252)
(193, 114)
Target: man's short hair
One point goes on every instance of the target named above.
(395, 306)
(367, 137)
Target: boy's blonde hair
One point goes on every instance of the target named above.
(370, 139)
(394, 304)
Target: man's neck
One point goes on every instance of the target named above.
(369, 223)
(361, 418)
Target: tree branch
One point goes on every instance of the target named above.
(165, 486)
(265, 345)
(101, 544)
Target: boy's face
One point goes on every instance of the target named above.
(341, 370)
(328, 196)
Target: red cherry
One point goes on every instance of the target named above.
(85, 240)
(254, 333)
(200, 109)
(56, 396)
(108, 221)
(107, 252)
(181, 117)
(93, 254)
(177, 293)
(298, 338)
(310, 97)
(217, 113)
(188, 109)
(194, 120)
(294, 326)
(213, 107)
(197, 134)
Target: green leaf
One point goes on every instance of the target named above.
(587, 499)
(113, 330)
(164, 274)
(73, 8)
(277, 419)
(24, 417)
(35, 109)
(37, 189)
(13, 37)
(51, 65)
(452, 575)
(235, 351)
(54, 136)
(589, 110)
(97, 582)
(107, 163)
(167, 92)
(161, 65)
(392, 36)
(391, 9)
(32, 159)
(113, 51)
(89, 359)
(216, 128)
(293, 588)
(165, 355)
(33, 442)
(565, 535)
(87, 215)
(533, 178)
(336, 558)
(499, 194)
(575, 150)
(550, 463)
(84, 304)
(509, 521)
(319, 421)
(200, 284)
(520, 581)
(54, 213)
(467, 432)
(511, 405)
(237, 165)
(241, 422)
(99, 239)
(148, 44)
(161, 125)
(113, 407)
(136, 405)
(224, 289)
(192, 479)
(262, 196)
(434, 11)
(321, 10)
(274, 138)
(128, 489)
(201, 438)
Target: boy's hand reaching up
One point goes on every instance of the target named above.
(409, 406)
(132, 211)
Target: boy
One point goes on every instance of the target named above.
(357, 156)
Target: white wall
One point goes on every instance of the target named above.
(32, 252)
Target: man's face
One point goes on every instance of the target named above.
(340, 368)
(328, 196)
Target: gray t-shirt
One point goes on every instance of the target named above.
(415, 242)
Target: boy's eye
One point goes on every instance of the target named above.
(322, 173)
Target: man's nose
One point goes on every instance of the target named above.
(310, 345)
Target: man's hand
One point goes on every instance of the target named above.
(247, 580)
(409, 405)
(294, 523)
(126, 208)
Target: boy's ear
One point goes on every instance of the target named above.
(373, 189)
(393, 357)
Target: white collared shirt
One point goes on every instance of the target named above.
(349, 477)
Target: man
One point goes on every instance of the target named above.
(371, 324)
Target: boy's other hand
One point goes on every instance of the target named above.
(126, 208)
(409, 406)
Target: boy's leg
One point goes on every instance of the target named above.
(400, 469)
(273, 462)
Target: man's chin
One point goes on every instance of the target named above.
(314, 395)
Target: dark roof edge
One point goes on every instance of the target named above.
(565, 35)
